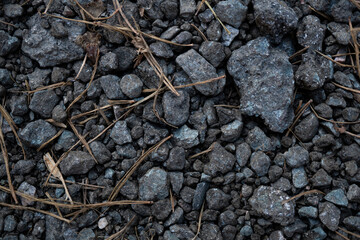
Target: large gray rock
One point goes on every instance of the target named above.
(198, 69)
(7, 43)
(274, 17)
(268, 202)
(36, 133)
(153, 185)
(39, 43)
(262, 74)
(76, 162)
(231, 12)
(43, 102)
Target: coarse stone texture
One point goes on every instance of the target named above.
(329, 215)
(296, 156)
(221, 161)
(111, 86)
(299, 177)
(36, 133)
(231, 12)
(154, 185)
(337, 197)
(8, 43)
(311, 32)
(262, 74)
(307, 128)
(260, 163)
(186, 137)
(176, 160)
(268, 202)
(43, 103)
(217, 199)
(352, 222)
(28, 189)
(198, 69)
(23, 167)
(101, 153)
(131, 85)
(353, 193)
(214, 52)
(39, 44)
(76, 162)
(274, 17)
(121, 133)
(350, 153)
(176, 108)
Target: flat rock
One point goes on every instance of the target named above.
(268, 202)
(198, 69)
(36, 133)
(76, 162)
(262, 74)
(39, 44)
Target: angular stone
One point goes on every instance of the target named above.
(307, 128)
(311, 32)
(120, 133)
(36, 133)
(198, 69)
(76, 162)
(221, 161)
(153, 185)
(296, 156)
(217, 199)
(8, 43)
(131, 85)
(337, 197)
(231, 12)
(262, 74)
(176, 108)
(268, 202)
(43, 103)
(111, 86)
(260, 163)
(186, 137)
(214, 52)
(329, 215)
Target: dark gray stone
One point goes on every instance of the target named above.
(198, 69)
(311, 212)
(321, 179)
(59, 113)
(176, 180)
(147, 74)
(29, 190)
(311, 32)
(262, 74)
(109, 62)
(231, 12)
(268, 202)
(199, 195)
(39, 78)
(36, 133)
(336, 100)
(350, 114)
(86, 234)
(101, 153)
(76, 162)
(324, 110)
(296, 156)
(187, 8)
(13, 10)
(220, 161)
(350, 153)
(130, 190)
(43, 103)
(258, 141)
(231, 131)
(227, 37)
(340, 32)
(176, 160)
(161, 209)
(353, 193)
(246, 231)
(176, 217)
(260, 163)
(297, 227)
(274, 17)
(176, 108)
(243, 153)
(153, 134)
(66, 140)
(39, 44)
(5, 78)
(120, 133)
(161, 49)
(126, 56)
(299, 177)
(277, 235)
(337, 197)
(8, 43)
(352, 222)
(153, 185)
(181, 231)
(316, 233)
(131, 85)
(170, 8)
(307, 128)
(214, 52)
(187, 194)
(329, 215)
(23, 167)
(186, 137)
(19, 105)
(210, 231)
(86, 72)
(111, 86)
(217, 199)
(10, 223)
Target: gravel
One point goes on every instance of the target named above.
(76, 162)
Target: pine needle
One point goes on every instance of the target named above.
(348, 232)
(199, 223)
(302, 194)
(122, 231)
(50, 140)
(203, 152)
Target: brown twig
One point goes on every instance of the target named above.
(199, 222)
(203, 152)
(122, 231)
(329, 58)
(298, 53)
(50, 140)
(302, 194)
(348, 232)
(200, 32)
(300, 113)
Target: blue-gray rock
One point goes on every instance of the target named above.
(321, 179)
(260, 163)
(274, 17)
(210, 231)
(311, 212)
(43, 103)
(176, 217)
(66, 140)
(153, 133)
(307, 128)
(161, 49)
(126, 56)
(186, 137)
(28, 189)
(19, 105)
(353, 193)
(153, 185)
(243, 153)
(86, 234)
(212, 51)
(39, 78)
(262, 74)
(176, 180)
(109, 62)
(147, 74)
(350, 153)
(297, 227)
(296, 156)
(311, 32)
(8, 43)
(131, 85)
(176, 108)
(39, 44)
(340, 32)
(101, 153)
(352, 222)
(220, 161)
(258, 141)
(161, 209)
(176, 160)
(111, 86)
(337, 197)
(277, 235)
(36, 133)
(199, 195)
(315, 234)
(181, 231)
(246, 231)
(130, 190)
(23, 167)
(313, 71)
(231, 12)
(5, 78)
(187, 8)
(299, 177)
(231, 131)
(329, 215)
(216, 199)
(10, 223)
(76, 162)
(227, 37)
(121, 133)
(268, 202)
(198, 69)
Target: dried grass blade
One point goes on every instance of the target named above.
(127, 175)
(200, 32)
(329, 120)
(55, 123)
(341, 235)
(199, 222)
(34, 210)
(51, 199)
(12, 126)
(81, 67)
(346, 88)
(122, 231)
(329, 58)
(356, 3)
(203, 152)
(102, 114)
(6, 23)
(50, 140)
(121, 102)
(298, 53)
(217, 18)
(52, 86)
(51, 166)
(302, 194)
(348, 232)
(353, 34)
(301, 111)
(82, 139)
(90, 112)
